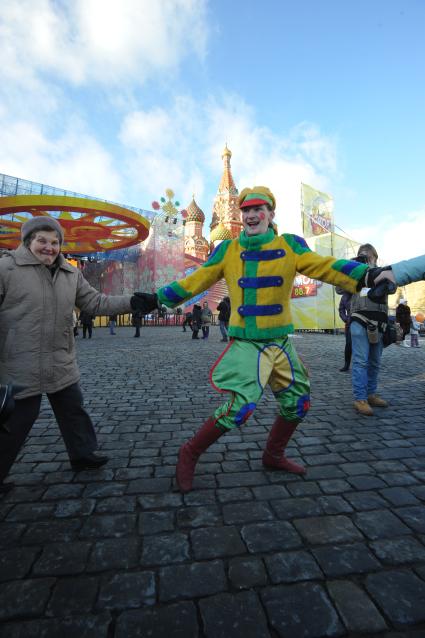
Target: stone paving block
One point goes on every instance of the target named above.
(78, 626)
(304, 488)
(400, 594)
(245, 573)
(414, 517)
(246, 512)
(10, 533)
(399, 496)
(216, 542)
(127, 591)
(114, 553)
(60, 559)
(234, 494)
(270, 536)
(301, 610)
(23, 599)
(192, 581)
(290, 567)
(287, 509)
(109, 526)
(199, 516)
(103, 490)
(155, 501)
(200, 497)
(46, 531)
(334, 505)
(324, 472)
(397, 551)
(327, 529)
(398, 479)
(236, 615)
(238, 479)
(323, 459)
(365, 500)
(269, 492)
(30, 512)
(116, 505)
(149, 486)
(73, 597)
(366, 482)
(17, 562)
(165, 548)
(75, 507)
(154, 522)
(176, 621)
(380, 524)
(357, 611)
(25, 494)
(341, 560)
(65, 491)
(334, 486)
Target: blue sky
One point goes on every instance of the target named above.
(121, 100)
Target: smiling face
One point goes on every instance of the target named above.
(45, 245)
(256, 219)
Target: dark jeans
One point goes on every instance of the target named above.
(74, 423)
(85, 329)
(205, 332)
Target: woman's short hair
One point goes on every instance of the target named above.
(28, 239)
(367, 248)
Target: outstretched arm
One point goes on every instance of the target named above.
(405, 272)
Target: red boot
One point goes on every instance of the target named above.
(190, 452)
(274, 456)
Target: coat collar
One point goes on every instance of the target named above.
(24, 257)
(256, 241)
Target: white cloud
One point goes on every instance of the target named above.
(74, 161)
(395, 238)
(99, 40)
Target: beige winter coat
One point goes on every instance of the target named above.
(37, 346)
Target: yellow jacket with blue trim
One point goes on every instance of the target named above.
(259, 271)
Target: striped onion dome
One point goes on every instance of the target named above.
(194, 213)
(220, 232)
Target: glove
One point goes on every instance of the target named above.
(7, 403)
(144, 302)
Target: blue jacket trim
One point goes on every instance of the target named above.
(262, 255)
(260, 311)
(171, 295)
(260, 282)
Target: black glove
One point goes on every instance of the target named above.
(144, 302)
(7, 403)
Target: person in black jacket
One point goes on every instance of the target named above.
(224, 317)
(196, 320)
(86, 320)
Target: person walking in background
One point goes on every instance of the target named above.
(75, 323)
(86, 320)
(196, 320)
(187, 321)
(112, 324)
(136, 320)
(403, 317)
(414, 332)
(368, 320)
(344, 313)
(224, 317)
(39, 290)
(206, 319)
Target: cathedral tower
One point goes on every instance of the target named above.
(226, 217)
(194, 243)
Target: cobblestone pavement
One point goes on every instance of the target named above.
(250, 553)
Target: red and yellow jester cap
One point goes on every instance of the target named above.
(256, 197)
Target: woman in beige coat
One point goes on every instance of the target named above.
(38, 292)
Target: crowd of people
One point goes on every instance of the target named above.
(39, 291)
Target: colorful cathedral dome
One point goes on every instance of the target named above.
(220, 232)
(194, 213)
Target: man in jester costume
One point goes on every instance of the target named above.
(259, 268)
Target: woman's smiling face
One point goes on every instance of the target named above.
(256, 219)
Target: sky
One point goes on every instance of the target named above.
(121, 100)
